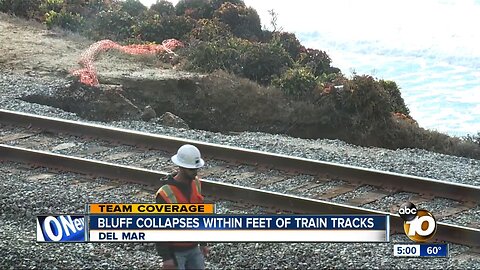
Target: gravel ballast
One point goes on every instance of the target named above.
(23, 199)
(406, 161)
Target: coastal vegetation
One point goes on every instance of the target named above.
(227, 37)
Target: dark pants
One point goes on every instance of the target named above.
(190, 259)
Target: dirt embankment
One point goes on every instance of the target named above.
(28, 46)
(217, 102)
(135, 86)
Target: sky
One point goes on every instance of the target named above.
(431, 48)
(387, 18)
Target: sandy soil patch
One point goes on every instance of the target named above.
(28, 46)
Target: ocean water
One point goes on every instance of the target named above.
(441, 86)
(430, 48)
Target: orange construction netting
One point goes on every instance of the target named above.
(88, 75)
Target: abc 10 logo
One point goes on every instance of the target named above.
(419, 224)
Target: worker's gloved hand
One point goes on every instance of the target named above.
(169, 264)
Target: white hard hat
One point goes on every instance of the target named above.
(188, 156)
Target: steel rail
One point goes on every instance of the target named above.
(396, 181)
(445, 232)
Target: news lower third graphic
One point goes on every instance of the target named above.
(200, 223)
(137, 208)
(420, 250)
(61, 228)
(150, 222)
(420, 226)
(238, 228)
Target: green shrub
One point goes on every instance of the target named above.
(23, 8)
(318, 61)
(74, 6)
(156, 28)
(332, 79)
(196, 9)
(397, 104)
(404, 134)
(82, 7)
(95, 6)
(257, 61)
(5, 6)
(112, 24)
(133, 7)
(65, 20)
(290, 43)
(472, 138)
(215, 55)
(365, 101)
(216, 4)
(210, 30)
(262, 62)
(296, 82)
(366, 95)
(51, 5)
(266, 36)
(202, 9)
(244, 22)
(163, 8)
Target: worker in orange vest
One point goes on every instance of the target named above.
(183, 187)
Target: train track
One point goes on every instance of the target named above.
(37, 136)
(39, 132)
(224, 191)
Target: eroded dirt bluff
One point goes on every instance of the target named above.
(216, 102)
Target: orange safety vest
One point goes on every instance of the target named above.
(172, 194)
